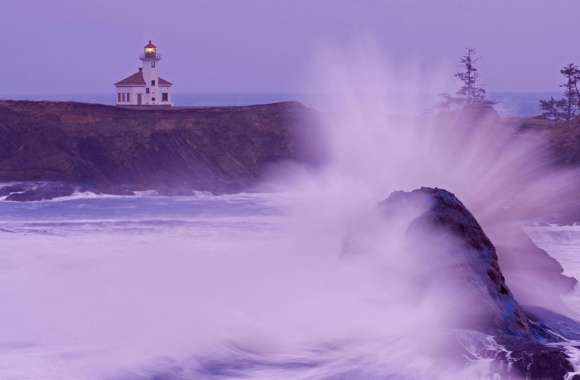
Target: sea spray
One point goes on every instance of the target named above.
(320, 289)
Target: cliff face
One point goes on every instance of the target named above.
(216, 148)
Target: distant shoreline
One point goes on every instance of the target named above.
(509, 104)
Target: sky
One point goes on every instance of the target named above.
(268, 46)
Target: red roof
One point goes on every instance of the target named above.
(150, 45)
(164, 83)
(138, 80)
(133, 80)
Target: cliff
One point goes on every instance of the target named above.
(112, 149)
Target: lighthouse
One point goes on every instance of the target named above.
(145, 87)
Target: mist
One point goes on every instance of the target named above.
(325, 287)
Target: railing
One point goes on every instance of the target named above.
(144, 57)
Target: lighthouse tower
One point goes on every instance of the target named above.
(151, 60)
(145, 87)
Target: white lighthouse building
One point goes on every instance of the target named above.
(145, 87)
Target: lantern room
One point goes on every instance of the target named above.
(150, 50)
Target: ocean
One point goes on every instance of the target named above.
(97, 286)
(197, 287)
(238, 286)
(507, 103)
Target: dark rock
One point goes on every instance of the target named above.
(556, 322)
(220, 149)
(457, 250)
(42, 191)
(14, 188)
(442, 231)
(534, 360)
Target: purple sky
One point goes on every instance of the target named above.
(237, 46)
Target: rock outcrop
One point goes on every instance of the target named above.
(31, 191)
(459, 255)
(110, 149)
(452, 244)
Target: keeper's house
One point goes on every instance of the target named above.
(145, 87)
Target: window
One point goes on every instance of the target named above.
(147, 90)
(165, 97)
(128, 97)
(153, 63)
(123, 97)
(153, 99)
(118, 97)
(153, 83)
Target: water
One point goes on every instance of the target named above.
(145, 212)
(204, 286)
(520, 103)
(257, 286)
(88, 282)
(562, 243)
(201, 286)
(508, 103)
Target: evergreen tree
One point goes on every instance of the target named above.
(470, 76)
(568, 107)
(551, 109)
(571, 98)
(470, 93)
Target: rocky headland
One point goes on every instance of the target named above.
(52, 149)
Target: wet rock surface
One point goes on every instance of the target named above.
(40, 191)
(451, 242)
(27, 192)
(526, 346)
(533, 360)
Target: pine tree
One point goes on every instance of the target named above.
(572, 75)
(470, 77)
(551, 109)
(568, 107)
(470, 93)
